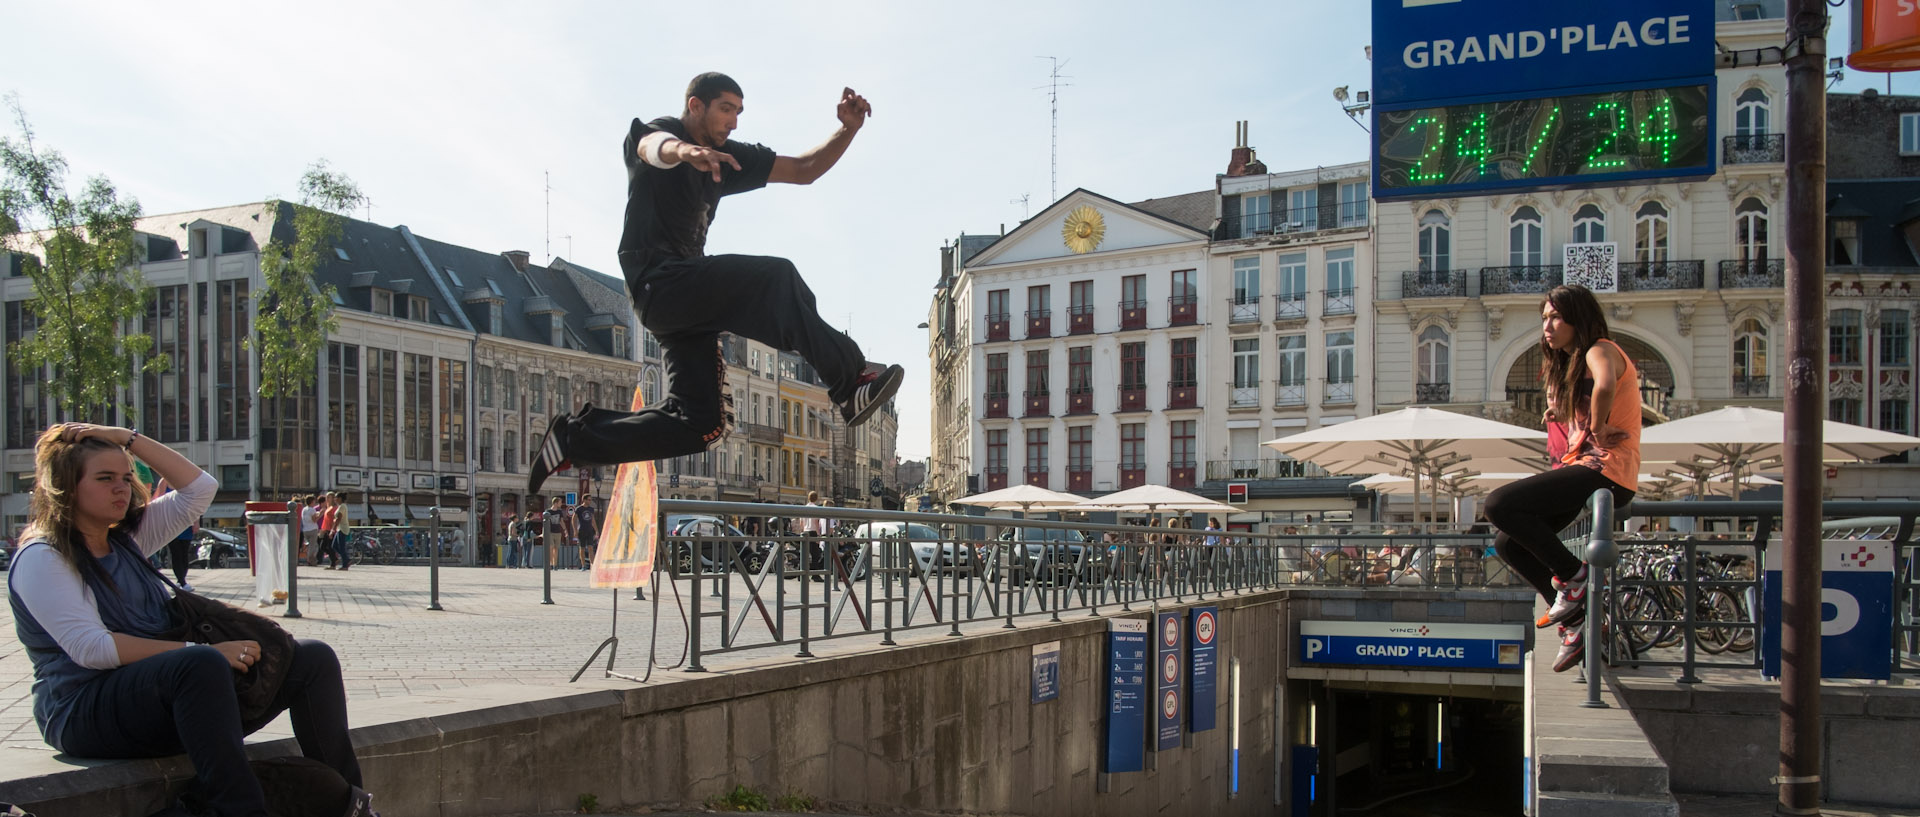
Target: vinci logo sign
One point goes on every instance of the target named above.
(1427, 50)
(1856, 609)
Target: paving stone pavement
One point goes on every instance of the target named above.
(493, 629)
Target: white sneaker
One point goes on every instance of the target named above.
(1572, 600)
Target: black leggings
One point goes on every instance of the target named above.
(1530, 515)
(686, 303)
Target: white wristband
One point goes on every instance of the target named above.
(650, 149)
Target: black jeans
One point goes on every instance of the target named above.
(686, 303)
(1530, 515)
(183, 701)
(181, 551)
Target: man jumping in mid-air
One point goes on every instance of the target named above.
(677, 170)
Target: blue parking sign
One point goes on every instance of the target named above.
(1856, 609)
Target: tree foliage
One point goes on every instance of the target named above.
(80, 253)
(296, 311)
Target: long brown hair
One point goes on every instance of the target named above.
(1562, 370)
(58, 467)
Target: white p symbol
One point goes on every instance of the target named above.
(1314, 646)
(1846, 611)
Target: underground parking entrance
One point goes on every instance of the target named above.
(1385, 749)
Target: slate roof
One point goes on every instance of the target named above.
(1888, 203)
(1194, 210)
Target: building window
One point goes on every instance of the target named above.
(485, 374)
(1750, 111)
(1750, 359)
(510, 452)
(1844, 241)
(1589, 225)
(416, 394)
(26, 409)
(1080, 370)
(1844, 410)
(1650, 233)
(997, 375)
(996, 450)
(453, 412)
(1036, 452)
(1039, 301)
(1080, 449)
(1133, 446)
(1353, 204)
(1893, 414)
(1303, 209)
(1080, 298)
(232, 368)
(168, 415)
(1038, 364)
(1340, 366)
(486, 448)
(1524, 237)
(1246, 373)
(537, 394)
(1436, 242)
(1256, 214)
(509, 390)
(1293, 370)
(1843, 338)
(1246, 290)
(382, 302)
(1133, 365)
(563, 395)
(650, 390)
(1896, 337)
(1185, 291)
(343, 398)
(1180, 433)
(1185, 368)
(1292, 299)
(1435, 352)
(1133, 292)
(383, 403)
(1750, 231)
(1340, 281)
(1910, 134)
(996, 306)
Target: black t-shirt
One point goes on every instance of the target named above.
(583, 519)
(668, 210)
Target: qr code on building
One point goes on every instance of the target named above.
(1594, 266)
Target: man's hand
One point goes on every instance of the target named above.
(706, 159)
(853, 109)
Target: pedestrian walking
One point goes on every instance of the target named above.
(180, 547)
(309, 530)
(323, 523)
(560, 530)
(678, 169)
(510, 546)
(1593, 388)
(586, 521)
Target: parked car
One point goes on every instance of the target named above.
(928, 545)
(1053, 555)
(215, 548)
(6, 556)
(716, 542)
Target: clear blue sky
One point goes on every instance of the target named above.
(449, 114)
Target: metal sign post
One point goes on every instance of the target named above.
(433, 562)
(293, 561)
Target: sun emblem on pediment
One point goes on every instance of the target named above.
(1083, 229)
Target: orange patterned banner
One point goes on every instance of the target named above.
(632, 526)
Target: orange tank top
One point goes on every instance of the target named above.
(1620, 462)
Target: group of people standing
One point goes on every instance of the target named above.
(323, 531)
(578, 525)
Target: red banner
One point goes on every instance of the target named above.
(1886, 35)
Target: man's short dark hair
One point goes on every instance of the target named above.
(709, 86)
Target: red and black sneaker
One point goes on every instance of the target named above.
(1573, 647)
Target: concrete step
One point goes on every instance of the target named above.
(1587, 804)
(1589, 768)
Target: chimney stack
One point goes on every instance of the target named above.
(1243, 162)
(518, 258)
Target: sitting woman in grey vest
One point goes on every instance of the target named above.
(88, 610)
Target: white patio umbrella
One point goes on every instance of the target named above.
(1024, 497)
(1155, 499)
(1733, 438)
(1416, 440)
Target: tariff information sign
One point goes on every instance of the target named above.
(1856, 609)
(1203, 668)
(1046, 671)
(1126, 692)
(1412, 644)
(1169, 634)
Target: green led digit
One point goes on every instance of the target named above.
(1657, 128)
(1606, 144)
(1472, 144)
(1437, 140)
(1533, 150)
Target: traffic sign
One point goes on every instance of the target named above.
(1856, 609)
(1202, 673)
(1169, 733)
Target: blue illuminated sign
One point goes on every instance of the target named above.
(1856, 610)
(1412, 644)
(1126, 695)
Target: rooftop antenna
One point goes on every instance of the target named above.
(1053, 87)
(547, 176)
(368, 201)
(1025, 209)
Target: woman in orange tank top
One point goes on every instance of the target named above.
(1593, 389)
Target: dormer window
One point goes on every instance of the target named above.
(416, 308)
(620, 342)
(382, 302)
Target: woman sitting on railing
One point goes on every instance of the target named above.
(1591, 386)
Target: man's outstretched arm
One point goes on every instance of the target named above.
(852, 111)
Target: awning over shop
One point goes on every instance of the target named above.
(389, 514)
(224, 510)
(420, 512)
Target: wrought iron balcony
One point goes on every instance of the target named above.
(1183, 310)
(1133, 398)
(1132, 475)
(1749, 386)
(762, 433)
(1180, 473)
(1322, 216)
(1432, 392)
(1433, 284)
(1765, 273)
(1262, 468)
(1039, 323)
(1290, 307)
(1754, 148)
(1527, 279)
(1037, 404)
(1243, 309)
(1243, 395)
(1080, 319)
(1079, 478)
(1339, 301)
(996, 477)
(1133, 314)
(1080, 400)
(1339, 391)
(1037, 475)
(1183, 394)
(997, 325)
(1645, 276)
(1289, 395)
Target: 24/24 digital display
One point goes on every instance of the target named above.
(1574, 139)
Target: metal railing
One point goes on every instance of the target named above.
(799, 590)
(1432, 392)
(1289, 393)
(1339, 391)
(1433, 284)
(1243, 395)
(1330, 215)
(1765, 273)
(1697, 601)
(1290, 307)
(1640, 276)
(1750, 386)
(1525, 279)
(1263, 468)
(1753, 148)
(1339, 301)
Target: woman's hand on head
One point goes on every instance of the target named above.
(241, 655)
(75, 432)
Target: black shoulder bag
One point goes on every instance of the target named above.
(201, 619)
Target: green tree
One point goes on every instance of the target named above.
(80, 253)
(296, 310)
